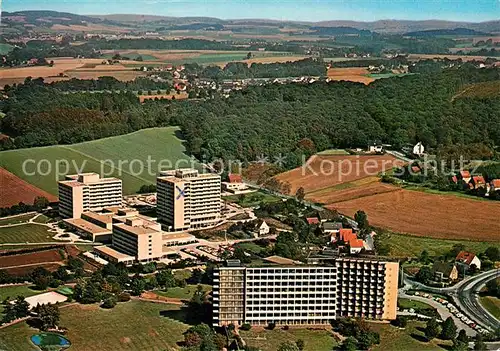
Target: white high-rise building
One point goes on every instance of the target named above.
(85, 192)
(305, 294)
(188, 200)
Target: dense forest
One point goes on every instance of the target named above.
(270, 120)
(239, 70)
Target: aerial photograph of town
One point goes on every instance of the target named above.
(254, 175)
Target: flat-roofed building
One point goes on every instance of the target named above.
(89, 230)
(174, 239)
(87, 192)
(305, 294)
(188, 200)
(112, 255)
(139, 239)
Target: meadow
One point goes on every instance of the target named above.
(91, 327)
(134, 158)
(25, 233)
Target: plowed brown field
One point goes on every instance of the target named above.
(352, 74)
(431, 215)
(321, 172)
(14, 190)
(355, 192)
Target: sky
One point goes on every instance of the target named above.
(302, 10)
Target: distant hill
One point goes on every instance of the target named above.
(339, 31)
(49, 18)
(436, 32)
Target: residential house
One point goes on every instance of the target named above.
(468, 259)
(312, 220)
(464, 176)
(477, 182)
(332, 227)
(492, 186)
(444, 271)
(375, 148)
(346, 235)
(355, 246)
(261, 229)
(418, 149)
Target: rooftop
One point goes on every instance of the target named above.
(281, 260)
(136, 230)
(101, 217)
(108, 250)
(87, 226)
(178, 236)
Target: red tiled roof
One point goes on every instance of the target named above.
(346, 235)
(465, 257)
(478, 180)
(415, 169)
(235, 178)
(356, 243)
(495, 183)
(312, 220)
(465, 174)
(454, 179)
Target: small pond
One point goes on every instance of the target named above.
(51, 341)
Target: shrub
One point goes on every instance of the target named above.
(246, 326)
(124, 297)
(109, 302)
(271, 326)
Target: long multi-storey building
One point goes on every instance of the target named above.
(88, 192)
(188, 200)
(138, 238)
(305, 294)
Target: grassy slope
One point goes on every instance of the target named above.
(16, 219)
(13, 291)
(183, 293)
(252, 199)
(32, 233)
(492, 304)
(158, 143)
(134, 325)
(394, 339)
(406, 245)
(269, 340)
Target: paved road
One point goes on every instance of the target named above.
(464, 296)
(467, 299)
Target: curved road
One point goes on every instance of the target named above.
(467, 299)
(465, 296)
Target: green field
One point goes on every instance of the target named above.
(133, 325)
(125, 157)
(410, 338)
(224, 57)
(26, 233)
(331, 152)
(411, 246)
(13, 291)
(492, 304)
(16, 220)
(269, 340)
(42, 219)
(251, 199)
(185, 293)
(5, 48)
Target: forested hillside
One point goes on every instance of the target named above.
(270, 120)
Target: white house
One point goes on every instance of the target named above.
(262, 229)
(418, 149)
(375, 148)
(468, 259)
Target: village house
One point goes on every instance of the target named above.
(261, 229)
(477, 182)
(375, 148)
(312, 220)
(468, 259)
(493, 185)
(445, 272)
(355, 246)
(234, 184)
(418, 149)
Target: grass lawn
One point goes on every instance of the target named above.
(331, 152)
(5, 48)
(13, 291)
(133, 325)
(250, 246)
(42, 219)
(125, 157)
(17, 219)
(492, 304)
(269, 340)
(412, 246)
(182, 293)
(252, 199)
(31, 233)
(410, 338)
